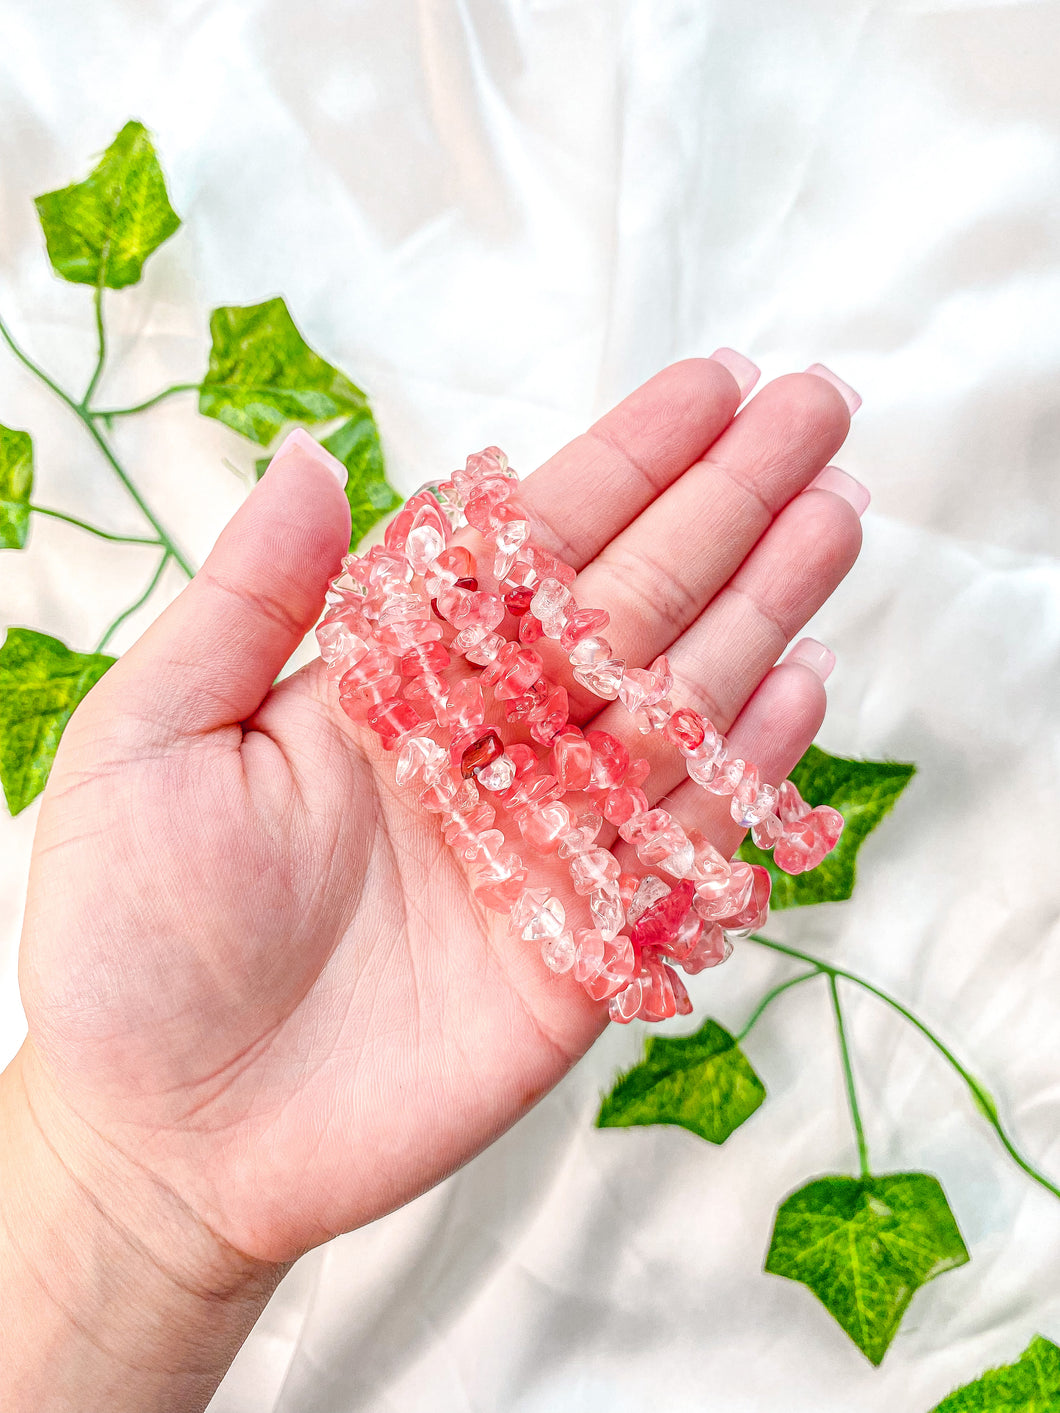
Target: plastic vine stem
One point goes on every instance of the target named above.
(97, 372)
(848, 1075)
(127, 613)
(772, 995)
(106, 413)
(981, 1096)
(88, 418)
(126, 480)
(94, 529)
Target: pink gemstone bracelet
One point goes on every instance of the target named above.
(397, 617)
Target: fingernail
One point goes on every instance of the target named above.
(742, 369)
(808, 652)
(849, 396)
(311, 449)
(842, 484)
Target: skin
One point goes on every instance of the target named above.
(262, 1007)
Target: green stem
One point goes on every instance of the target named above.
(88, 421)
(34, 368)
(127, 613)
(124, 478)
(94, 529)
(771, 996)
(848, 1076)
(108, 412)
(97, 372)
(981, 1096)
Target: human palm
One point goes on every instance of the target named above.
(250, 964)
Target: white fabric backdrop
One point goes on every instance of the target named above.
(500, 217)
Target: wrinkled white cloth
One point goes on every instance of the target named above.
(500, 217)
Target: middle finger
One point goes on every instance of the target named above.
(657, 576)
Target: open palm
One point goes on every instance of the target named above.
(250, 965)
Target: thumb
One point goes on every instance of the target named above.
(209, 660)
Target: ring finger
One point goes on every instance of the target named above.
(657, 577)
(718, 664)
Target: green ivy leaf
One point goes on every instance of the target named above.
(1031, 1385)
(865, 1246)
(371, 496)
(263, 374)
(100, 231)
(863, 791)
(41, 682)
(16, 483)
(701, 1081)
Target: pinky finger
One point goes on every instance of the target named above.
(774, 730)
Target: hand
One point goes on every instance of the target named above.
(256, 986)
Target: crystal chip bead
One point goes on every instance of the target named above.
(572, 759)
(605, 904)
(497, 775)
(559, 952)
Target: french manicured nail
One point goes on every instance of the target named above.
(842, 484)
(309, 447)
(808, 652)
(742, 369)
(849, 396)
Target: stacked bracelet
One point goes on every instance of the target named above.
(397, 617)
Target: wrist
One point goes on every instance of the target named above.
(107, 1279)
